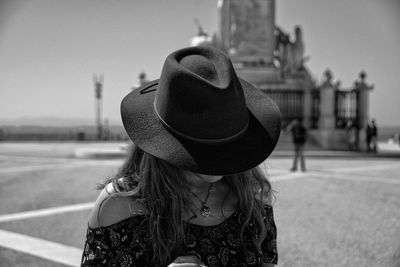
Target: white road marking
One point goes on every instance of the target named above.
(349, 177)
(333, 175)
(40, 167)
(364, 169)
(35, 158)
(344, 173)
(288, 176)
(41, 248)
(45, 212)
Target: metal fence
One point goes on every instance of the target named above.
(346, 108)
(315, 106)
(290, 103)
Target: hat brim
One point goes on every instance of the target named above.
(252, 148)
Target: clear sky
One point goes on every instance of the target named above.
(49, 49)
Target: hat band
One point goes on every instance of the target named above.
(202, 140)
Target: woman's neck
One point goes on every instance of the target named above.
(216, 198)
(197, 183)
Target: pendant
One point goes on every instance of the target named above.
(205, 211)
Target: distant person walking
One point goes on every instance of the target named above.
(299, 137)
(352, 134)
(371, 136)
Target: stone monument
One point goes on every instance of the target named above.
(246, 34)
(290, 54)
(273, 60)
(249, 30)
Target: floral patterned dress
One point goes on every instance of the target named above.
(128, 243)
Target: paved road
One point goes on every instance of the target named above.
(341, 212)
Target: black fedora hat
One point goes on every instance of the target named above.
(201, 117)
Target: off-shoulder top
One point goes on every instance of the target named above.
(128, 243)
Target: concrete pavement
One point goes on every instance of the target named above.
(342, 212)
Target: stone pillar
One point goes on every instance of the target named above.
(224, 24)
(269, 10)
(327, 103)
(364, 90)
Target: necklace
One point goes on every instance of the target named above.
(204, 210)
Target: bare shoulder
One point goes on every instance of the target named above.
(111, 208)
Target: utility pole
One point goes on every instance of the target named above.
(98, 91)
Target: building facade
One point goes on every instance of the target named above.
(273, 60)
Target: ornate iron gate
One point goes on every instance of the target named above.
(315, 113)
(346, 108)
(290, 102)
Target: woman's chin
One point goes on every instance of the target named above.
(210, 178)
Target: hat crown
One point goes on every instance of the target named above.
(200, 97)
(200, 66)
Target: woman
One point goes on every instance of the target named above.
(191, 192)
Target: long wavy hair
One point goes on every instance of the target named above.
(164, 191)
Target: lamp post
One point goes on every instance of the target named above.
(98, 91)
